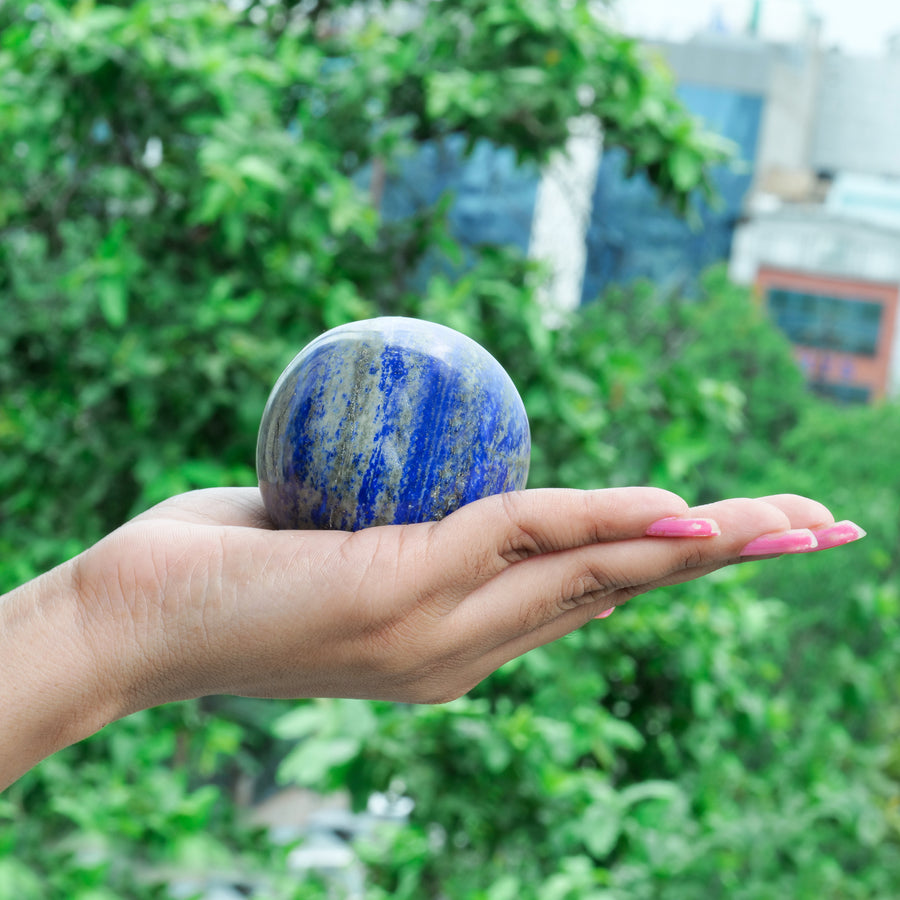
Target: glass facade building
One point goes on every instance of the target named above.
(632, 235)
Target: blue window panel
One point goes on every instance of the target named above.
(841, 393)
(632, 235)
(827, 323)
(493, 196)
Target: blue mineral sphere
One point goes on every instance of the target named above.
(389, 421)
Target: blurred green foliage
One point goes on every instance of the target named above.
(188, 193)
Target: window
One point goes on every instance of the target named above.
(827, 323)
(842, 393)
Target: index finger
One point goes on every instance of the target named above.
(493, 533)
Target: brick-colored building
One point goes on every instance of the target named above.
(842, 329)
(832, 284)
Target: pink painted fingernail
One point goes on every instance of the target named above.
(673, 526)
(838, 534)
(797, 540)
(606, 613)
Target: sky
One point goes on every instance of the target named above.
(858, 27)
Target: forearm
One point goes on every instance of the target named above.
(53, 693)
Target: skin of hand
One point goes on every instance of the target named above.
(200, 596)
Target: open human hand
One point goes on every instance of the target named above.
(199, 596)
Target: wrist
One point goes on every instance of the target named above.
(56, 689)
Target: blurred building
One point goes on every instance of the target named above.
(818, 227)
(811, 218)
(830, 277)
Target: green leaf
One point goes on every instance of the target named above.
(17, 880)
(112, 294)
(305, 720)
(651, 790)
(311, 762)
(255, 168)
(686, 168)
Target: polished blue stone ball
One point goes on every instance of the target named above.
(389, 421)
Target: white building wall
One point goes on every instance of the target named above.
(808, 240)
(562, 214)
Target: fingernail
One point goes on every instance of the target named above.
(838, 534)
(606, 613)
(673, 526)
(797, 540)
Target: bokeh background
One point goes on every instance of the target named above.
(190, 190)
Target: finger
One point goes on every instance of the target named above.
(837, 535)
(807, 513)
(802, 512)
(741, 518)
(597, 606)
(804, 518)
(534, 593)
(540, 600)
(492, 534)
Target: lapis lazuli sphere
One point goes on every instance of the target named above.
(389, 421)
